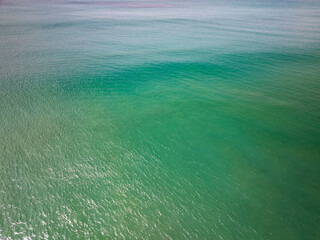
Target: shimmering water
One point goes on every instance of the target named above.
(159, 120)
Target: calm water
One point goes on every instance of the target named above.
(160, 120)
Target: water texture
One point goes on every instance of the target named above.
(160, 120)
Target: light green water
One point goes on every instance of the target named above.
(170, 120)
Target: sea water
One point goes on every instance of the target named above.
(159, 120)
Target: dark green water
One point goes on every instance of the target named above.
(160, 120)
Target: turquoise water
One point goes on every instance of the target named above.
(159, 120)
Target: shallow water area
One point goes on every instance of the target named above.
(159, 120)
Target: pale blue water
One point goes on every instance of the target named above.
(159, 120)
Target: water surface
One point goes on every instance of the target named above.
(159, 120)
